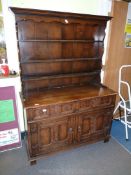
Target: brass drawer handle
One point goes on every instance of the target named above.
(44, 110)
(79, 128)
(70, 129)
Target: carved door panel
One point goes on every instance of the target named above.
(94, 125)
(63, 132)
(40, 137)
(102, 123)
(49, 135)
(84, 127)
(45, 136)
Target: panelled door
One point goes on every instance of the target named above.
(84, 127)
(49, 135)
(93, 125)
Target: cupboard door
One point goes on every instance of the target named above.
(46, 137)
(49, 135)
(40, 137)
(54, 134)
(63, 132)
(94, 125)
(102, 123)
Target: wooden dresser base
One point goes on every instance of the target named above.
(67, 118)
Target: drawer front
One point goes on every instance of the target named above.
(69, 108)
(102, 101)
(92, 104)
(37, 113)
(49, 111)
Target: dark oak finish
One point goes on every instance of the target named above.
(60, 58)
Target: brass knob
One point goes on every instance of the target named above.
(44, 110)
(79, 128)
(70, 129)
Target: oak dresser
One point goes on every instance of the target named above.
(60, 57)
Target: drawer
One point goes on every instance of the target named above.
(49, 111)
(68, 108)
(37, 113)
(91, 104)
(102, 101)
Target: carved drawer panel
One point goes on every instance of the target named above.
(89, 104)
(61, 109)
(49, 111)
(67, 108)
(55, 109)
(101, 102)
(84, 104)
(37, 113)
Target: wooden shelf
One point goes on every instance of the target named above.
(63, 41)
(57, 60)
(40, 77)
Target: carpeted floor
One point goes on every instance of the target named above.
(95, 159)
(118, 133)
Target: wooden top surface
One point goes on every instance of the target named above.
(67, 94)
